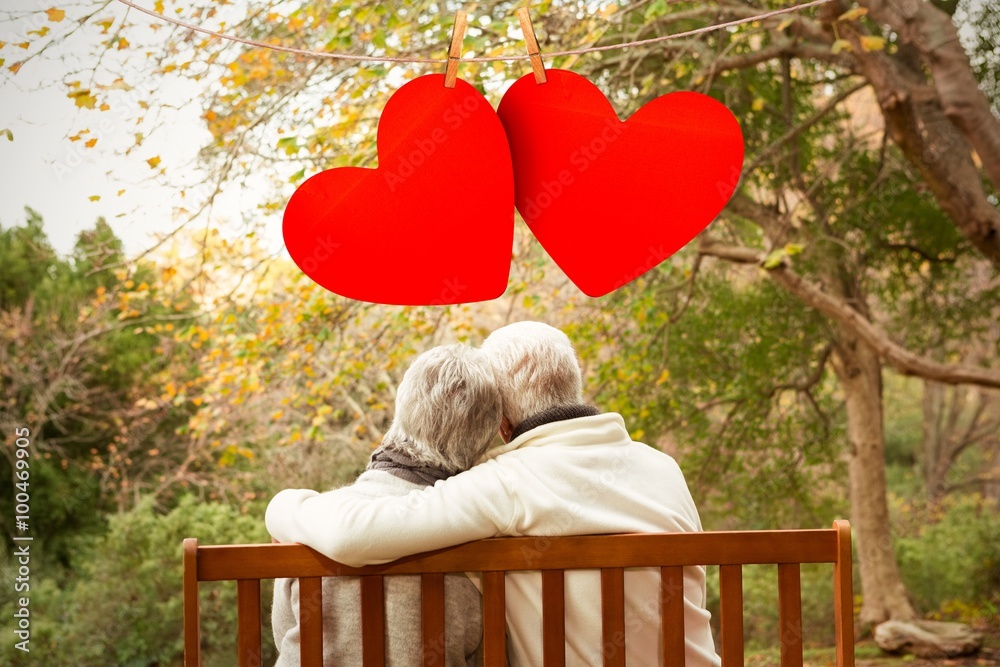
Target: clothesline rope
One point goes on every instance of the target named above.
(480, 59)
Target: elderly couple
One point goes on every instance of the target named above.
(565, 469)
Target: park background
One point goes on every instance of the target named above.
(828, 348)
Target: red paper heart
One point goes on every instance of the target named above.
(607, 199)
(433, 224)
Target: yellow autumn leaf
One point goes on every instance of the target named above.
(15, 67)
(90, 143)
(757, 104)
(121, 192)
(55, 15)
(106, 25)
(94, 197)
(122, 43)
(840, 45)
(153, 162)
(104, 107)
(83, 98)
(158, 6)
(872, 43)
(24, 45)
(853, 14)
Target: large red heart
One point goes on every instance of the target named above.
(607, 199)
(432, 224)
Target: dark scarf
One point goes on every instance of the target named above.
(554, 415)
(398, 462)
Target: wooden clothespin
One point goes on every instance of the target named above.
(455, 52)
(529, 38)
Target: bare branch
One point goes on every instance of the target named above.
(933, 34)
(915, 115)
(903, 360)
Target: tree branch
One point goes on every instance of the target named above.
(914, 112)
(931, 31)
(901, 359)
(804, 125)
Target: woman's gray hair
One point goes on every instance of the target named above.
(448, 407)
(536, 369)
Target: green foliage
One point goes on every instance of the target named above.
(123, 605)
(950, 556)
(76, 365)
(27, 259)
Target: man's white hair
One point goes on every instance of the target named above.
(536, 369)
(448, 407)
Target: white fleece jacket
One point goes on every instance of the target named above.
(572, 477)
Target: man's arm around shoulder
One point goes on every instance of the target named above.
(359, 531)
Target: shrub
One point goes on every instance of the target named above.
(123, 605)
(950, 557)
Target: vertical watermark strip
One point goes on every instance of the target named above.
(22, 537)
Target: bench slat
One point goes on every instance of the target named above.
(731, 614)
(553, 619)
(432, 619)
(672, 615)
(311, 621)
(494, 621)
(248, 623)
(790, 614)
(372, 621)
(613, 616)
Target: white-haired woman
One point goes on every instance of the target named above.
(448, 409)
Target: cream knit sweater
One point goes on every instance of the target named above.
(342, 605)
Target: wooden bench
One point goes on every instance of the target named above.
(248, 564)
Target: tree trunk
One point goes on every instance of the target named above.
(933, 126)
(860, 374)
(991, 489)
(933, 34)
(933, 443)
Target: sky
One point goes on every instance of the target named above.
(41, 168)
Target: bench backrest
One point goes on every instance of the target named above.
(670, 552)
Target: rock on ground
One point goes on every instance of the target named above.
(928, 639)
